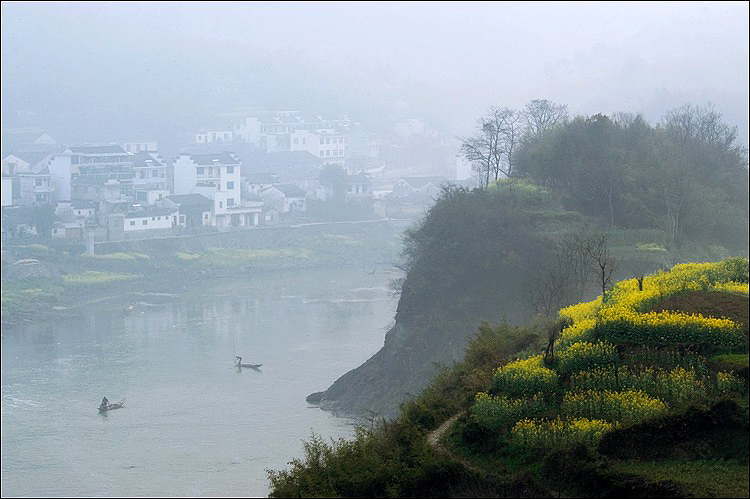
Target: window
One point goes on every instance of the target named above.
(230, 169)
(230, 186)
(153, 218)
(230, 202)
(154, 173)
(182, 219)
(221, 204)
(199, 170)
(38, 182)
(132, 223)
(328, 140)
(145, 222)
(322, 141)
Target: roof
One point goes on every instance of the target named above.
(109, 149)
(143, 159)
(31, 157)
(223, 158)
(275, 160)
(190, 200)
(418, 182)
(262, 178)
(289, 190)
(151, 212)
(84, 205)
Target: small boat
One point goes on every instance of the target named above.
(239, 364)
(128, 309)
(111, 407)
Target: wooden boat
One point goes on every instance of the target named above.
(111, 407)
(128, 309)
(239, 364)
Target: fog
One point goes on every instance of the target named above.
(157, 69)
(347, 196)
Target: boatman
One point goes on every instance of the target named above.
(104, 404)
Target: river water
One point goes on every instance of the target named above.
(192, 425)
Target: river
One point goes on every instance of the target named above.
(192, 424)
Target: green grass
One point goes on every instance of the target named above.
(119, 256)
(698, 478)
(95, 277)
(731, 360)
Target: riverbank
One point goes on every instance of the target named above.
(62, 283)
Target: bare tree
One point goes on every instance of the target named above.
(563, 278)
(541, 115)
(490, 152)
(604, 263)
(512, 127)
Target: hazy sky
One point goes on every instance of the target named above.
(113, 69)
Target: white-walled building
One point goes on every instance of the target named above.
(149, 178)
(137, 146)
(217, 177)
(35, 189)
(151, 219)
(285, 198)
(247, 131)
(327, 144)
(214, 137)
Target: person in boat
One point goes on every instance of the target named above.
(104, 404)
(239, 360)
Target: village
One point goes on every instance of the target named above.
(276, 169)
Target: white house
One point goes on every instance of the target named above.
(418, 187)
(214, 137)
(358, 186)
(247, 131)
(149, 178)
(84, 210)
(285, 198)
(327, 144)
(217, 177)
(35, 189)
(151, 219)
(137, 146)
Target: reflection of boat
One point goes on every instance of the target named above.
(111, 407)
(239, 364)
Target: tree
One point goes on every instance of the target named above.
(597, 249)
(542, 115)
(491, 151)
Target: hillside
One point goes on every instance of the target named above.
(643, 397)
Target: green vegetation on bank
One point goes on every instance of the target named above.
(63, 273)
(605, 415)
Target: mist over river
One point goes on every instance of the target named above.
(192, 425)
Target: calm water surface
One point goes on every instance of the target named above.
(192, 424)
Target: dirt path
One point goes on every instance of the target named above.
(433, 439)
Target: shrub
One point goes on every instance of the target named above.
(728, 384)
